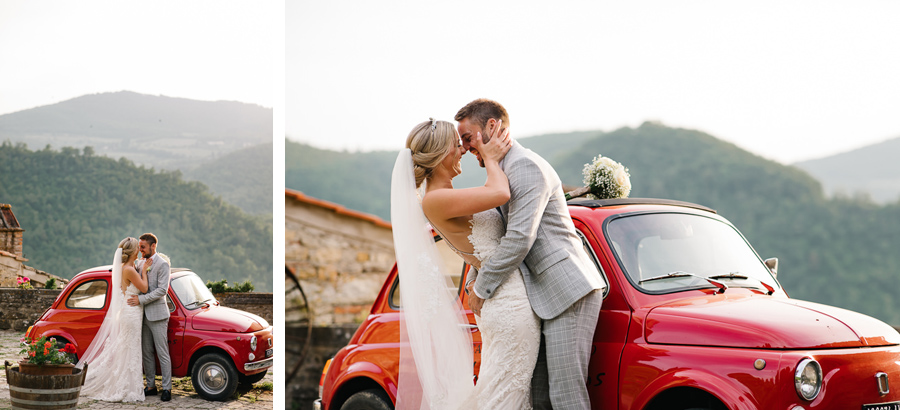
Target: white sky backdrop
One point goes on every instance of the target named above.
(788, 80)
(51, 51)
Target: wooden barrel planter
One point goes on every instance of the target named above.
(50, 392)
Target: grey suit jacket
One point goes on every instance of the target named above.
(154, 301)
(540, 240)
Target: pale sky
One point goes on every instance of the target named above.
(209, 50)
(787, 80)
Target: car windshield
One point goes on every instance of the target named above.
(191, 291)
(663, 253)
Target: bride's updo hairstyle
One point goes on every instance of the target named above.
(129, 246)
(429, 142)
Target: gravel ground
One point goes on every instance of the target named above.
(183, 395)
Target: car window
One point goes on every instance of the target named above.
(190, 290)
(671, 252)
(452, 265)
(169, 304)
(590, 251)
(88, 295)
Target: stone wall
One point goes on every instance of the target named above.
(21, 308)
(258, 303)
(340, 257)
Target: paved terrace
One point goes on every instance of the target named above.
(183, 395)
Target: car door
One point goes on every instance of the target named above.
(175, 333)
(611, 331)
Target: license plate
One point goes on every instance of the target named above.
(269, 354)
(894, 405)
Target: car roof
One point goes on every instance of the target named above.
(601, 203)
(107, 269)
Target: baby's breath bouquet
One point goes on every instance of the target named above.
(604, 179)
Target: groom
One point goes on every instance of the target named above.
(563, 284)
(156, 317)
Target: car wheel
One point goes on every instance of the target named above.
(214, 377)
(253, 378)
(372, 399)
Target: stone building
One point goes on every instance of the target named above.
(340, 257)
(12, 258)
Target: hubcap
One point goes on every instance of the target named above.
(213, 378)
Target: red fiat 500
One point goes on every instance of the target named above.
(693, 318)
(218, 347)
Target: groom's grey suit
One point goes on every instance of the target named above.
(560, 278)
(154, 332)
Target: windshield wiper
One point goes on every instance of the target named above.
(196, 303)
(732, 275)
(737, 275)
(679, 274)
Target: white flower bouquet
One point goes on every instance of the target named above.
(604, 179)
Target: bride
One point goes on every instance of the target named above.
(436, 369)
(115, 353)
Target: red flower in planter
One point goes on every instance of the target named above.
(70, 348)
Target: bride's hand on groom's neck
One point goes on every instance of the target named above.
(498, 144)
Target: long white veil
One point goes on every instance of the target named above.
(436, 359)
(110, 326)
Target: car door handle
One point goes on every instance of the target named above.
(468, 326)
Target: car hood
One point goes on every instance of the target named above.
(757, 321)
(225, 319)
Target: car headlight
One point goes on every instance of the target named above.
(808, 379)
(253, 344)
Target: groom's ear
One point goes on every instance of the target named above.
(488, 128)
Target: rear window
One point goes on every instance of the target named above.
(452, 266)
(88, 295)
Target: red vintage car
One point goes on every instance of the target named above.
(218, 347)
(692, 318)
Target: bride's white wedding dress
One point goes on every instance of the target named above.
(117, 373)
(436, 360)
(510, 331)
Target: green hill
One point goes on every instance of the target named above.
(75, 207)
(834, 251)
(219, 143)
(243, 178)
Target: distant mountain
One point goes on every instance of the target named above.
(220, 143)
(839, 251)
(75, 207)
(154, 131)
(872, 170)
(243, 178)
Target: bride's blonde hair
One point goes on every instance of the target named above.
(429, 142)
(129, 246)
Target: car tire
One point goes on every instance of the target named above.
(248, 381)
(214, 377)
(372, 399)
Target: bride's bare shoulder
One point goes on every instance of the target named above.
(129, 270)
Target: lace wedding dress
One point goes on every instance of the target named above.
(510, 331)
(436, 359)
(116, 374)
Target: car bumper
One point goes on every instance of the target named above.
(260, 364)
(317, 405)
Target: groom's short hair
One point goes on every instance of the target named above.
(481, 110)
(149, 238)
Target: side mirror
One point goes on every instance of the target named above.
(772, 264)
